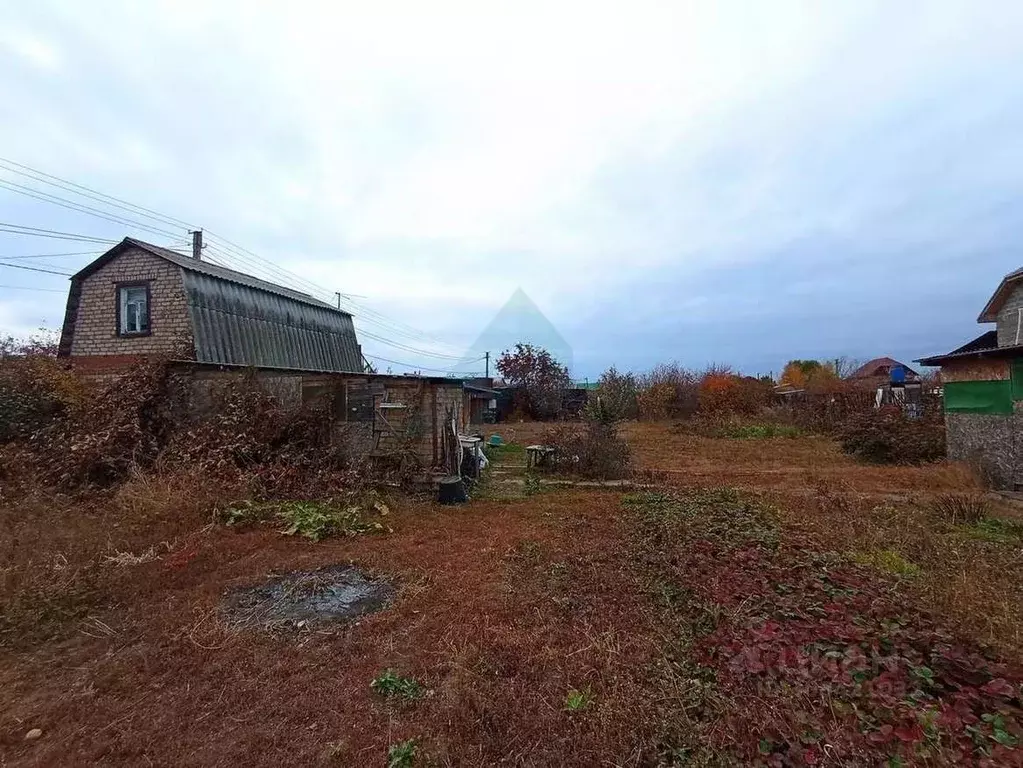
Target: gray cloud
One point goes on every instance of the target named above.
(707, 183)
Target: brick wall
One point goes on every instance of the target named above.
(95, 328)
(419, 424)
(1009, 317)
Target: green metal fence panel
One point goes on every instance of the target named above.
(1017, 379)
(979, 396)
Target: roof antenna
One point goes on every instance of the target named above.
(196, 244)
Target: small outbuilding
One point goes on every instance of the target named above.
(982, 384)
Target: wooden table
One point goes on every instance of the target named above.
(539, 455)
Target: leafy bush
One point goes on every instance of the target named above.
(539, 377)
(890, 437)
(59, 430)
(531, 485)
(667, 391)
(123, 425)
(35, 388)
(722, 391)
(616, 396)
(592, 449)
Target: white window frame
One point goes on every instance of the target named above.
(125, 299)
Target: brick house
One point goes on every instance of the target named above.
(139, 300)
(982, 383)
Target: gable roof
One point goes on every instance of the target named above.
(990, 312)
(202, 267)
(869, 369)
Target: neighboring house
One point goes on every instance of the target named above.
(139, 299)
(879, 371)
(982, 383)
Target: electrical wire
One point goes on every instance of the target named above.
(222, 250)
(21, 189)
(220, 257)
(31, 288)
(409, 348)
(422, 368)
(53, 255)
(16, 229)
(138, 210)
(238, 251)
(34, 269)
(227, 248)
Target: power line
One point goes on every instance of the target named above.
(422, 368)
(224, 250)
(230, 248)
(46, 197)
(227, 248)
(34, 269)
(31, 288)
(17, 229)
(117, 202)
(409, 348)
(267, 267)
(53, 255)
(362, 310)
(217, 251)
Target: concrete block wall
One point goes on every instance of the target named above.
(95, 328)
(988, 441)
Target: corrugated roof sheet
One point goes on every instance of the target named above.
(224, 273)
(237, 324)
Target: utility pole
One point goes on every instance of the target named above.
(196, 244)
(338, 294)
(487, 356)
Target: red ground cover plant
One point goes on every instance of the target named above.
(814, 660)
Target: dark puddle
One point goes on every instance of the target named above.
(306, 599)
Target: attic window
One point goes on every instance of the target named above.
(133, 309)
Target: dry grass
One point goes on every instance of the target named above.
(503, 609)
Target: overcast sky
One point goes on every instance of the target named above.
(739, 183)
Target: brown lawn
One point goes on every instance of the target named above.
(503, 608)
